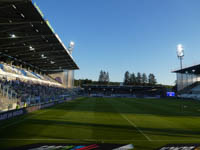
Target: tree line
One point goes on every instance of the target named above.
(139, 79)
(103, 79)
(129, 79)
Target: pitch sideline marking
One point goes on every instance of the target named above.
(16, 122)
(134, 125)
(4, 139)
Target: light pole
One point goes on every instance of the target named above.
(180, 55)
(70, 73)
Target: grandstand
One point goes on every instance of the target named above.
(31, 57)
(188, 82)
(125, 91)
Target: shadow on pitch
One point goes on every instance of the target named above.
(135, 106)
(115, 128)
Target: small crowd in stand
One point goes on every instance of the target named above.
(31, 92)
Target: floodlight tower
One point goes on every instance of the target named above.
(70, 73)
(180, 54)
(71, 47)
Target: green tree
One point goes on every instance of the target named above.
(144, 79)
(104, 77)
(126, 78)
(101, 77)
(107, 78)
(133, 80)
(139, 78)
(152, 79)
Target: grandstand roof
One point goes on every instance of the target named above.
(195, 69)
(27, 38)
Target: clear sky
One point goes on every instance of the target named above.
(134, 35)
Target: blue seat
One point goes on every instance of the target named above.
(23, 72)
(36, 75)
(1, 66)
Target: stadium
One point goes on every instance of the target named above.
(41, 109)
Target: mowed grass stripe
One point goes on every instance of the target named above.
(119, 110)
(138, 114)
(134, 125)
(68, 122)
(152, 119)
(47, 125)
(108, 123)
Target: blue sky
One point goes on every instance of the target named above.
(134, 35)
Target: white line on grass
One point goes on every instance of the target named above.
(16, 122)
(134, 125)
(103, 140)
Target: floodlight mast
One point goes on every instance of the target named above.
(180, 54)
(70, 73)
(71, 47)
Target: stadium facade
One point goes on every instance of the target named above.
(187, 76)
(188, 82)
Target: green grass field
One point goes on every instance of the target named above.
(146, 123)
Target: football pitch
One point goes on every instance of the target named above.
(146, 123)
